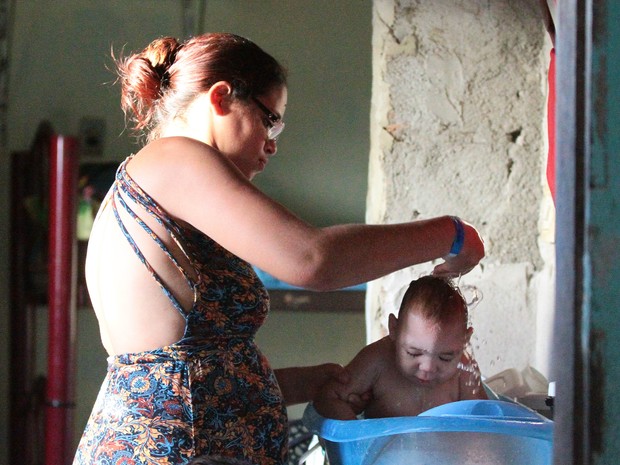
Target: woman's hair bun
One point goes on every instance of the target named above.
(161, 53)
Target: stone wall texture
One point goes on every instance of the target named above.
(458, 127)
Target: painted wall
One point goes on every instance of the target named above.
(58, 72)
(457, 127)
(321, 168)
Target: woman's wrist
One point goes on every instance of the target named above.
(459, 237)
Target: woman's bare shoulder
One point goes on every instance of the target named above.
(167, 163)
(177, 151)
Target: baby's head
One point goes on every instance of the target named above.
(431, 331)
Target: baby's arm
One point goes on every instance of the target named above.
(470, 380)
(332, 400)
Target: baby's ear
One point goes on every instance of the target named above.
(392, 326)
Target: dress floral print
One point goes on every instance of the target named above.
(212, 392)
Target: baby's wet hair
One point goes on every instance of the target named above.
(436, 299)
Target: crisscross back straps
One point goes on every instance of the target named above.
(128, 187)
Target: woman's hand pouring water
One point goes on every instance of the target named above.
(469, 256)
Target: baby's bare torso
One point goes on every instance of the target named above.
(394, 395)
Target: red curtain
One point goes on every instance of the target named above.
(551, 125)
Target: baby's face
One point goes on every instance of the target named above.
(427, 353)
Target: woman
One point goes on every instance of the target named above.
(168, 265)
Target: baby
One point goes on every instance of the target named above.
(421, 363)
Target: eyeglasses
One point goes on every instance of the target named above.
(275, 125)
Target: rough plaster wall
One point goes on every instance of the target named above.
(457, 128)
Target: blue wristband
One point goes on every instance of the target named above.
(459, 238)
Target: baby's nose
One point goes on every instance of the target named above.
(428, 365)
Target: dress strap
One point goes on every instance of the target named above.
(128, 187)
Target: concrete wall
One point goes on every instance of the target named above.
(457, 127)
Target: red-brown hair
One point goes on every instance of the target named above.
(161, 81)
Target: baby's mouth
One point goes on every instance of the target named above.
(424, 381)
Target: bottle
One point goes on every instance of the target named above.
(85, 216)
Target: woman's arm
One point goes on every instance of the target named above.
(332, 402)
(203, 188)
(301, 384)
(304, 384)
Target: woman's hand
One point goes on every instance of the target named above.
(469, 256)
(334, 399)
(358, 402)
(303, 384)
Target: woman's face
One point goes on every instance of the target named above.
(244, 138)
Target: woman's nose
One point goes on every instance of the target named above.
(271, 146)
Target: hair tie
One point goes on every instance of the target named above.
(165, 80)
(161, 54)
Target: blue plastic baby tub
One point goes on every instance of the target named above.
(467, 432)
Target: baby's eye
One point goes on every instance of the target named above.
(446, 358)
(414, 354)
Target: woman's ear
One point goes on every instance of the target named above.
(220, 97)
(392, 326)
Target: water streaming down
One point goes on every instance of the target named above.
(472, 296)
(471, 367)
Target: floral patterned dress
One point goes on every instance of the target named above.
(212, 392)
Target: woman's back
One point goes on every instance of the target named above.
(124, 293)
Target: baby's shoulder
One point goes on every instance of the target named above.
(377, 351)
(371, 362)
